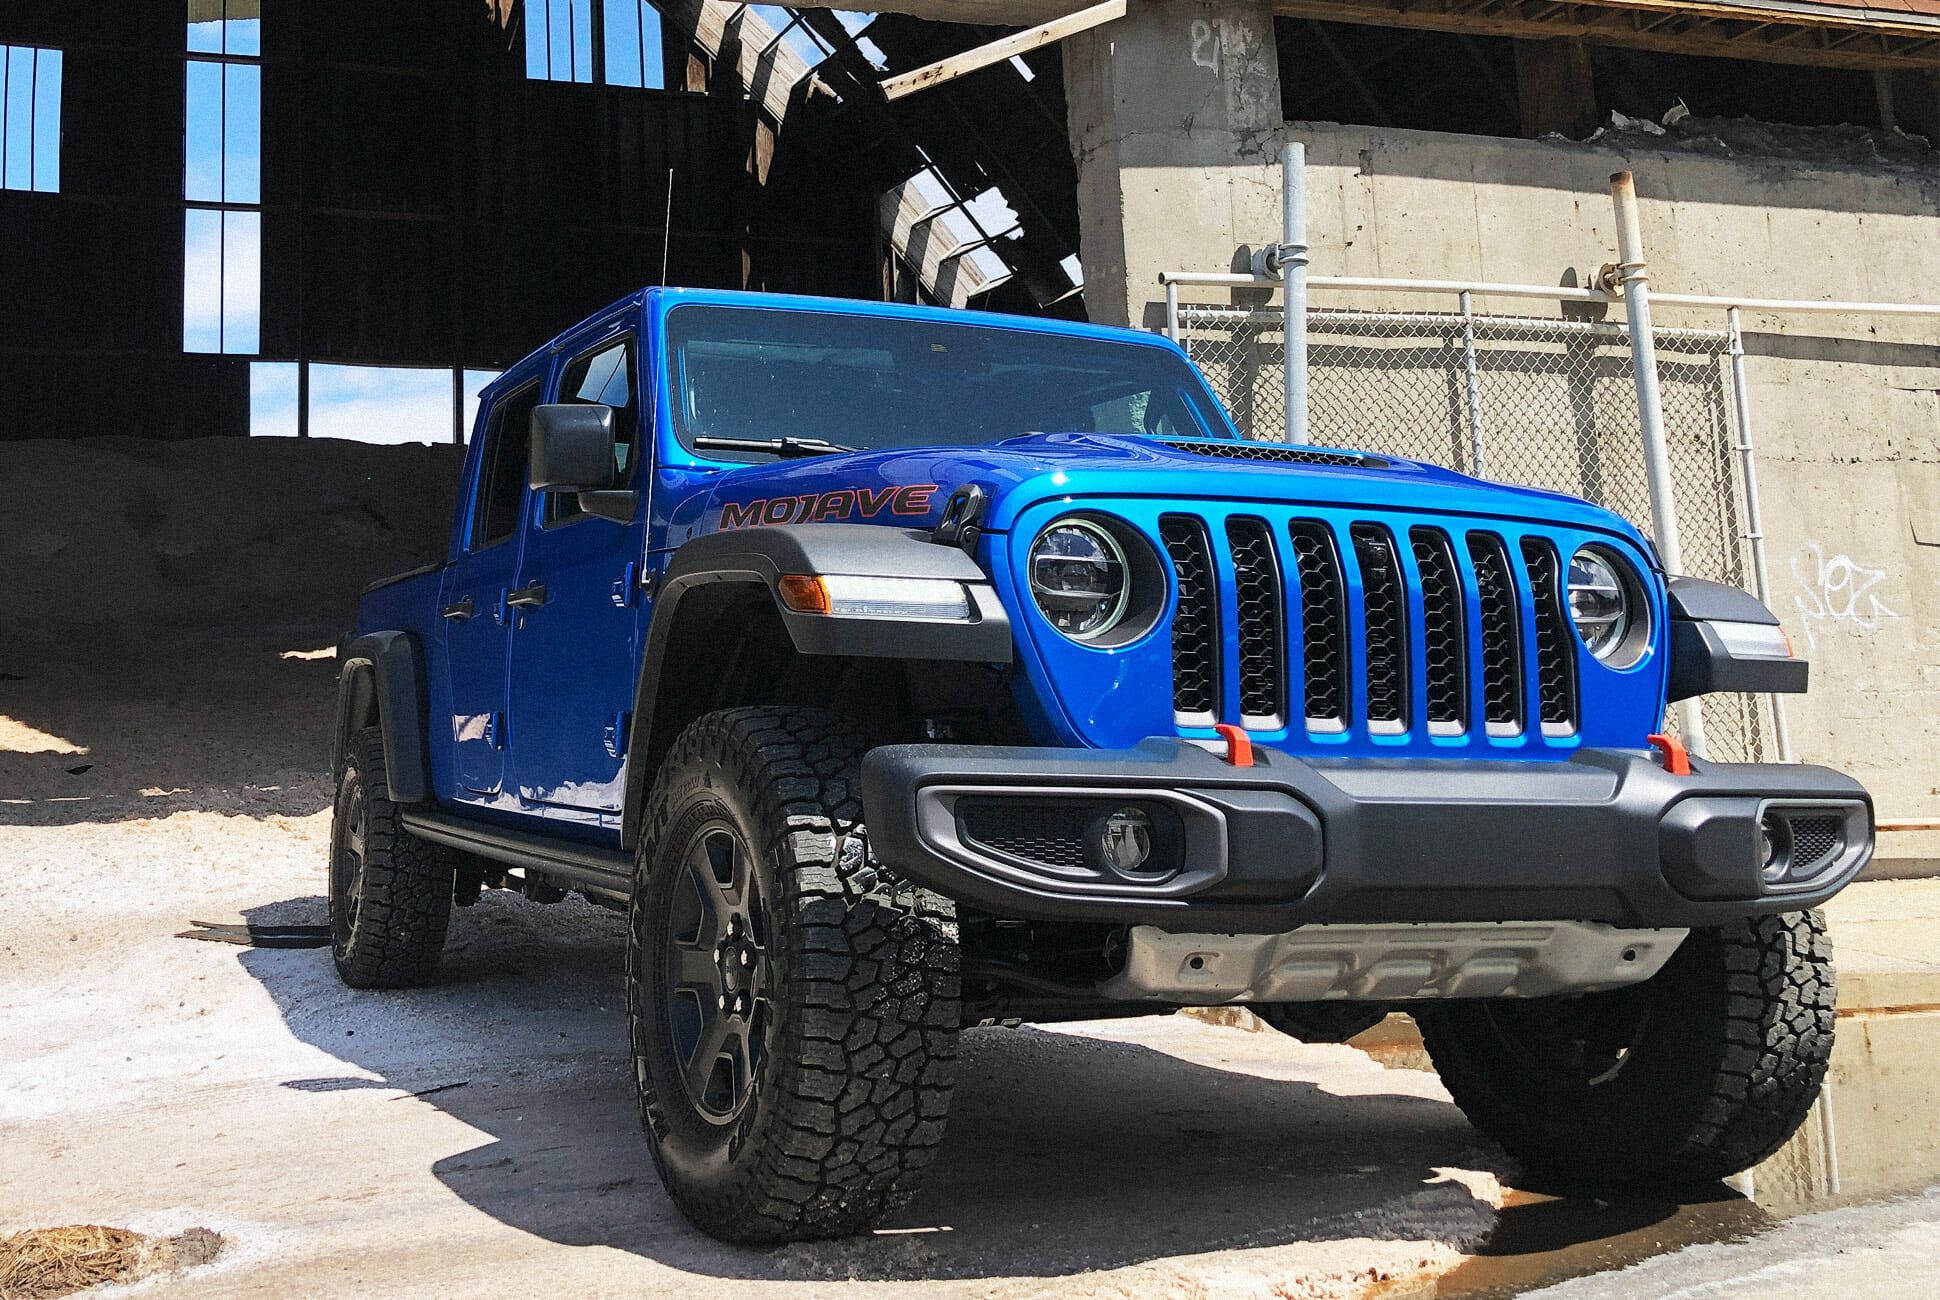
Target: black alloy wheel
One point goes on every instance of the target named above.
(718, 974)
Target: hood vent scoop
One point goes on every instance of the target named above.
(1278, 453)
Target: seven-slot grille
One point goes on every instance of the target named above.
(1302, 589)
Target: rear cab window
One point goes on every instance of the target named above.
(502, 469)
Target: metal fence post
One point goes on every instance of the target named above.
(1478, 464)
(1172, 311)
(1754, 519)
(1634, 275)
(1293, 274)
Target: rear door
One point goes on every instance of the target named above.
(477, 624)
(573, 651)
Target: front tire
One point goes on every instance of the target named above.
(1695, 1075)
(793, 1009)
(390, 892)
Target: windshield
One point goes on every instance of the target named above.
(881, 382)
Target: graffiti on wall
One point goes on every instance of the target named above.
(1836, 590)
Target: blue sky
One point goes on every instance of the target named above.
(383, 404)
(559, 42)
(30, 111)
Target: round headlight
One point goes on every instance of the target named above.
(1080, 579)
(1600, 603)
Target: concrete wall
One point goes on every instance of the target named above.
(1178, 173)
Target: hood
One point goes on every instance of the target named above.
(909, 486)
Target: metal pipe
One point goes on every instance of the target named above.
(1477, 462)
(1244, 280)
(1172, 311)
(1558, 293)
(1633, 273)
(1754, 518)
(1793, 306)
(1293, 294)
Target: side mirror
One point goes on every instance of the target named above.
(572, 448)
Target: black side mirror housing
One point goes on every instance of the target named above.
(572, 448)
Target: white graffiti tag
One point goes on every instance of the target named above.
(1836, 591)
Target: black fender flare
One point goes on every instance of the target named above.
(761, 556)
(386, 670)
(1703, 662)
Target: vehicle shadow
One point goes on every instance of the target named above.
(1066, 1152)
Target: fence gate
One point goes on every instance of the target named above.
(1542, 401)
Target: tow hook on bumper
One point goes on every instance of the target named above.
(1170, 836)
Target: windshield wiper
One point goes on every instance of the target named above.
(783, 447)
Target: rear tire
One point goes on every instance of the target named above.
(793, 1009)
(1697, 1074)
(390, 892)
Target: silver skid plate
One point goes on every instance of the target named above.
(1388, 963)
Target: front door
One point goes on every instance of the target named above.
(573, 660)
(478, 624)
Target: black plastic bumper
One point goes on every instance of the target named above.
(1607, 835)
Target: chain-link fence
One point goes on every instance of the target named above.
(1550, 402)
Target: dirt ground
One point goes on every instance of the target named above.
(479, 1137)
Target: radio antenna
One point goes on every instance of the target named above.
(667, 228)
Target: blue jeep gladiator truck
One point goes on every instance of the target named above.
(898, 670)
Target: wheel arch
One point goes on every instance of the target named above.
(720, 636)
(381, 683)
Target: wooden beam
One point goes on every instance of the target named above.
(1555, 88)
(998, 51)
(1737, 32)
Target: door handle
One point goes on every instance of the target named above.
(458, 611)
(527, 597)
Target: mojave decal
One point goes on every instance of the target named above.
(912, 501)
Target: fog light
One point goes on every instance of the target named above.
(1124, 839)
(1773, 840)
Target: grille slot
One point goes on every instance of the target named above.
(1815, 841)
(1261, 630)
(1385, 617)
(1323, 618)
(1195, 627)
(1050, 831)
(1555, 660)
(1444, 622)
(1500, 634)
(1232, 450)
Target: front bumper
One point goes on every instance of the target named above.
(1606, 836)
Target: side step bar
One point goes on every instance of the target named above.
(608, 872)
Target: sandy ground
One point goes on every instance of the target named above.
(159, 1083)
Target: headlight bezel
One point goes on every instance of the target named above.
(1142, 594)
(1629, 647)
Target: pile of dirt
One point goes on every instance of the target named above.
(46, 1262)
(1682, 131)
(115, 538)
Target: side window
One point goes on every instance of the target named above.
(502, 469)
(604, 376)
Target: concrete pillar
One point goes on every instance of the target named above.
(1175, 122)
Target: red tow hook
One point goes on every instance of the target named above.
(1239, 745)
(1677, 760)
